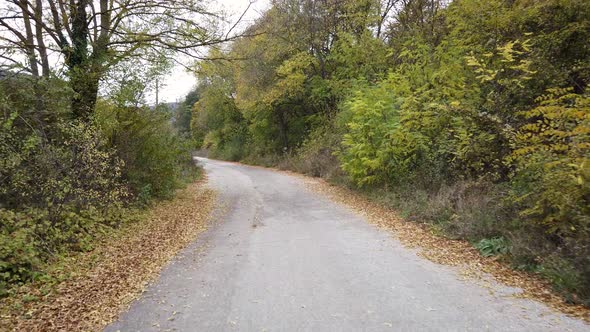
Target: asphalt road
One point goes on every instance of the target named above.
(281, 258)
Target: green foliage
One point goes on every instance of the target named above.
(376, 148)
(18, 256)
(551, 185)
(492, 247)
(316, 155)
(434, 107)
(31, 238)
(56, 195)
(156, 160)
(183, 116)
(64, 183)
(568, 274)
(219, 125)
(80, 170)
(363, 57)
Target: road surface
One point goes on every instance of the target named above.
(281, 258)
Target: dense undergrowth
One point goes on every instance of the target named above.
(64, 183)
(472, 116)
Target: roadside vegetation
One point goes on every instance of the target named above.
(82, 154)
(471, 116)
(69, 182)
(84, 291)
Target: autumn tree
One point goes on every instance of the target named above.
(88, 37)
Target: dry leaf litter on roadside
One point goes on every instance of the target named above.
(116, 272)
(445, 251)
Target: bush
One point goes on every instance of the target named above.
(31, 238)
(376, 148)
(57, 195)
(19, 254)
(316, 156)
(569, 271)
(552, 180)
(77, 170)
(156, 159)
(551, 187)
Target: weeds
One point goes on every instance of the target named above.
(492, 247)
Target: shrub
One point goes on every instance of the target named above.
(376, 147)
(552, 180)
(569, 273)
(316, 156)
(78, 170)
(156, 158)
(19, 255)
(31, 238)
(57, 195)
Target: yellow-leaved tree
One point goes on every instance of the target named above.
(553, 154)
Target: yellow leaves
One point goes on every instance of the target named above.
(298, 63)
(455, 103)
(560, 127)
(506, 65)
(553, 151)
(291, 76)
(507, 52)
(523, 151)
(473, 62)
(579, 179)
(480, 67)
(581, 169)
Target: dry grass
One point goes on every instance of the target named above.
(106, 280)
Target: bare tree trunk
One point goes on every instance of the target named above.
(39, 34)
(38, 115)
(30, 39)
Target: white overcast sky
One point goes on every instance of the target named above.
(180, 82)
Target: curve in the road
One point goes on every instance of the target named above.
(282, 258)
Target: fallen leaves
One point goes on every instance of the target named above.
(445, 251)
(110, 277)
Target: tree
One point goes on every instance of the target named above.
(183, 114)
(89, 36)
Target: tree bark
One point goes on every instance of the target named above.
(30, 39)
(38, 115)
(83, 80)
(40, 43)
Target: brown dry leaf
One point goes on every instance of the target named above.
(109, 278)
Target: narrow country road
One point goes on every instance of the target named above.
(281, 258)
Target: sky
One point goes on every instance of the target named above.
(176, 85)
